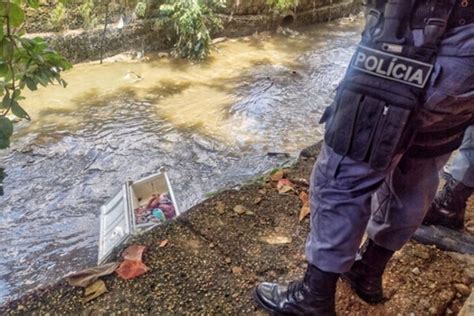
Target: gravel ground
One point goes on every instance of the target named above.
(215, 256)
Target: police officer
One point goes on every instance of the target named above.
(449, 206)
(402, 108)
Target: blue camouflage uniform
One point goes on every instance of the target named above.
(349, 198)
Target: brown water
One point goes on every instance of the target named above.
(210, 124)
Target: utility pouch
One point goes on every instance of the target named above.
(370, 118)
(366, 128)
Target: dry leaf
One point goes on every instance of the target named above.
(305, 211)
(94, 290)
(304, 198)
(163, 243)
(277, 176)
(284, 186)
(88, 276)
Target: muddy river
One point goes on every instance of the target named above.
(211, 124)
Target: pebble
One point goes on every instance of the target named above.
(422, 254)
(236, 270)
(433, 311)
(220, 207)
(240, 209)
(228, 260)
(425, 303)
(416, 271)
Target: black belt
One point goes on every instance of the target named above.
(463, 14)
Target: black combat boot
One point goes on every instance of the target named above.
(449, 205)
(365, 276)
(314, 295)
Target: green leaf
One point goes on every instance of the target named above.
(3, 68)
(6, 131)
(33, 3)
(19, 111)
(5, 101)
(6, 127)
(16, 94)
(31, 84)
(16, 15)
(6, 49)
(4, 142)
(2, 32)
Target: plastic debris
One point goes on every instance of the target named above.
(88, 276)
(133, 253)
(94, 290)
(158, 214)
(132, 266)
(130, 269)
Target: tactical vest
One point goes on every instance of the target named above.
(370, 118)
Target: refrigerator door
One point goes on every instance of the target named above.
(115, 224)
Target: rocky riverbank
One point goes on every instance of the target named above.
(216, 253)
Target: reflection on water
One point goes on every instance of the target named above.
(210, 124)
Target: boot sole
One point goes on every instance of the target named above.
(371, 298)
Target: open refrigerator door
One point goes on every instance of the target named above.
(139, 206)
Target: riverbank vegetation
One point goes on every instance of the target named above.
(24, 63)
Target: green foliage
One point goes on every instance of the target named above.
(141, 8)
(87, 13)
(283, 5)
(192, 21)
(24, 63)
(57, 16)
